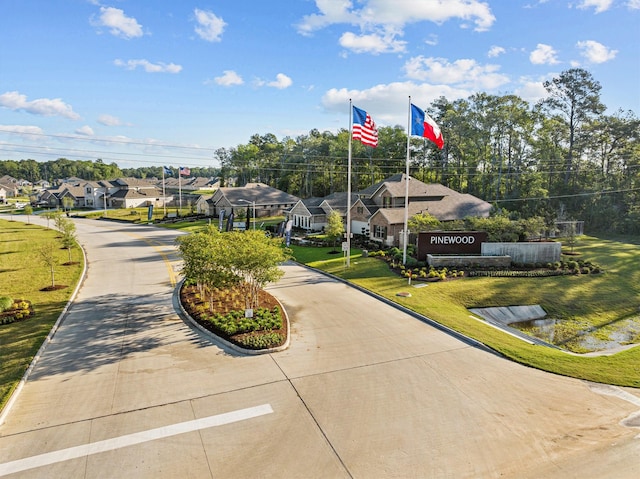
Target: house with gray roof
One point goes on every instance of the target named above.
(377, 212)
(445, 204)
(268, 201)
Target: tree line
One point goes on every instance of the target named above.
(562, 157)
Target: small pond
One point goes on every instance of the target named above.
(573, 336)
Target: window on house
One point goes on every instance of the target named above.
(360, 210)
(386, 202)
(380, 232)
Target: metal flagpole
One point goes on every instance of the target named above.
(180, 189)
(164, 194)
(349, 186)
(406, 189)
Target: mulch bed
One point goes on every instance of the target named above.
(189, 298)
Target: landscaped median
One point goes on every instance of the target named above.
(225, 275)
(266, 331)
(580, 299)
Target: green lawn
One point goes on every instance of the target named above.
(591, 299)
(22, 276)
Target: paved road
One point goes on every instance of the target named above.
(129, 389)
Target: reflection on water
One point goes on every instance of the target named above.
(575, 337)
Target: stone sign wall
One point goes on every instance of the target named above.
(528, 253)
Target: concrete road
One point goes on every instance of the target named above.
(128, 389)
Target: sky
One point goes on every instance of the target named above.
(159, 82)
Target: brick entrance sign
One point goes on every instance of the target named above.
(450, 242)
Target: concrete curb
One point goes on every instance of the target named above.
(223, 343)
(16, 392)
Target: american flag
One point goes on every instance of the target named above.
(185, 171)
(364, 128)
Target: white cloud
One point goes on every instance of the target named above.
(210, 27)
(387, 103)
(229, 78)
(85, 130)
(148, 66)
(596, 52)
(372, 43)
(119, 24)
(466, 73)
(398, 14)
(109, 120)
(25, 130)
(543, 55)
(432, 40)
(633, 4)
(531, 90)
(599, 5)
(281, 82)
(16, 101)
(495, 51)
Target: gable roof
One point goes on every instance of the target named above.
(396, 186)
(259, 193)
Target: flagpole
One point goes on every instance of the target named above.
(180, 189)
(406, 189)
(349, 186)
(164, 194)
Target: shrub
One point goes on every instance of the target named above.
(262, 341)
(5, 303)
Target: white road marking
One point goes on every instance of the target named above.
(132, 439)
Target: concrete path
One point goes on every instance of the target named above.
(128, 389)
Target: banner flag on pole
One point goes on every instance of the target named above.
(364, 128)
(185, 171)
(167, 171)
(423, 125)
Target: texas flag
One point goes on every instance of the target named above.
(423, 125)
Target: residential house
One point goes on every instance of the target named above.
(311, 214)
(268, 201)
(377, 212)
(10, 185)
(191, 183)
(387, 223)
(134, 192)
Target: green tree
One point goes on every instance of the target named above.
(68, 230)
(576, 96)
(423, 222)
(256, 259)
(28, 210)
(67, 203)
(247, 259)
(49, 257)
(335, 228)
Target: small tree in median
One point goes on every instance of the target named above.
(221, 260)
(68, 230)
(28, 210)
(48, 254)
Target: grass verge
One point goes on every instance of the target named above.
(593, 299)
(22, 276)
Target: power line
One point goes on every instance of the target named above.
(592, 193)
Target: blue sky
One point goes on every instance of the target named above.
(158, 82)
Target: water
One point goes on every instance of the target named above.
(575, 337)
